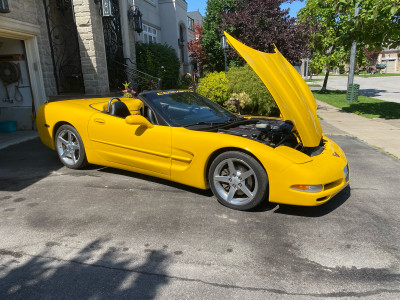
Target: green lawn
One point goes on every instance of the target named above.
(379, 75)
(366, 106)
(364, 75)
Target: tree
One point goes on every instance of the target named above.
(371, 55)
(377, 24)
(261, 23)
(325, 39)
(211, 42)
(196, 48)
(335, 28)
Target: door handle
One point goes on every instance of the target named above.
(100, 121)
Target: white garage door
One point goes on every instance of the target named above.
(391, 66)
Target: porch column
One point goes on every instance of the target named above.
(92, 47)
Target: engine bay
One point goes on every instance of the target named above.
(274, 133)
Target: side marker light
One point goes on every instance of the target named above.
(316, 188)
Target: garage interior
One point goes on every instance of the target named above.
(16, 101)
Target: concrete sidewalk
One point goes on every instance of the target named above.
(380, 133)
(12, 138)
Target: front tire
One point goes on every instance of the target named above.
(238, 180)
(69, 147)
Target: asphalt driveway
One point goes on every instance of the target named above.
(103, 233)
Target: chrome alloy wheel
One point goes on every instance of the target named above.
(68, 147)
(235, 181)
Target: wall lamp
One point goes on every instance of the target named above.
(181, 42)
(136, 16)
(4, 6)
(105, 7)
(225, 48)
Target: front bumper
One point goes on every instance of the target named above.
(327, 169)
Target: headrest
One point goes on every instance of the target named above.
(119, 109)
(134, 105)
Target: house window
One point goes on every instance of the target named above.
(190, 23)
(149, 34)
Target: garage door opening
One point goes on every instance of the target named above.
(16, 101)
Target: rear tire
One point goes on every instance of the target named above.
(69, 147)
(238, 180)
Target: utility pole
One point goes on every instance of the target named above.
(307, 62)
(352, 55)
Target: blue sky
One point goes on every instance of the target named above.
(201, 6)
(294, 7)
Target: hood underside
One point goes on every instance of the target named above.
(289, 90)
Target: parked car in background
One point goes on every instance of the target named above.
(380, 67)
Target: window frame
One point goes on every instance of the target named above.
(150, 34)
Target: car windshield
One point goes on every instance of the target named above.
(184, 108)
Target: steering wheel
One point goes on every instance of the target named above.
(109, 102)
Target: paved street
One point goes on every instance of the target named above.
(102, 233)
(383, 88)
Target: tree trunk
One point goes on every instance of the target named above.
(325, 80)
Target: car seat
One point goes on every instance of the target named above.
(119, 109)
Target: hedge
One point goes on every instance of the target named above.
(159, 60)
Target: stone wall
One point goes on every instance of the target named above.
(91, 43)
(45, 52)
(23, 10)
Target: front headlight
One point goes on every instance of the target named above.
(346, 173)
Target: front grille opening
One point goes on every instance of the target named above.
(332, 184)
(322, 198)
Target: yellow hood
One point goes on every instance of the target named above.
(289, 90)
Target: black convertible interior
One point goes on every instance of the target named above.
(118, 108)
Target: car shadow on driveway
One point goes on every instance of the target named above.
(45, 276)
(305, 211)
(316, 211)
(206, 193)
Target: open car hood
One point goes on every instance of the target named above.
(289, 90)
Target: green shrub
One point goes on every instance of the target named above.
(245, 80)
(157, 60)
(240, 83)
(244, 102)
(187, 81)
(214, 86)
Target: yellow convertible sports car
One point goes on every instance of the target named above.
(181, 136)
